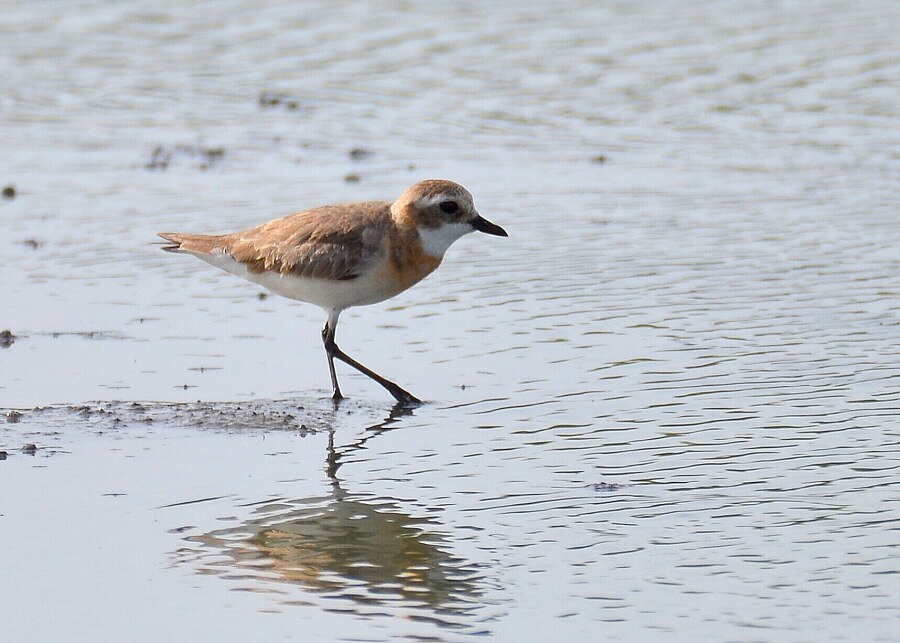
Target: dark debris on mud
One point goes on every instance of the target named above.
(270, 100)
(360, 154)
(86, 334)
(199, 156)
(7, 338)
(607, 487)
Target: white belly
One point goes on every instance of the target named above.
(328, 294)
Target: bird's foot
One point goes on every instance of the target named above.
(405, 398)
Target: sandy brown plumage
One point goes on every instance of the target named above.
(330, 242)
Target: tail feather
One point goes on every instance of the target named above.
(202, 244)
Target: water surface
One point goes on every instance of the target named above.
(665, 407)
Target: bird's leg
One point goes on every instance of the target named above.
(331, 348)
(402, 396)
(328, 340)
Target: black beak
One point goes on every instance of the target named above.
(483, 225)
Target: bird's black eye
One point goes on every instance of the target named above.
(449, 207)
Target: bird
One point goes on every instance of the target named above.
(348, 254)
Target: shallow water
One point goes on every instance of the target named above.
(666, 406)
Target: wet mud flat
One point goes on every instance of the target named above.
(42, 430)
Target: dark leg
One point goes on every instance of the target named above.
(401, 395)
(331, 348)
(328, 340)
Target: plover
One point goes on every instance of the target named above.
(351, 254)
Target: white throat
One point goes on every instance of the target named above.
(435, 241)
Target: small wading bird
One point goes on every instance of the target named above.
(352, 254)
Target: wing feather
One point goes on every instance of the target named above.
(332, 242)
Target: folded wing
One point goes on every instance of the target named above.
(331, 242)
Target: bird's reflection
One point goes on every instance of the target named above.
(360, 548)
(334, 457)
